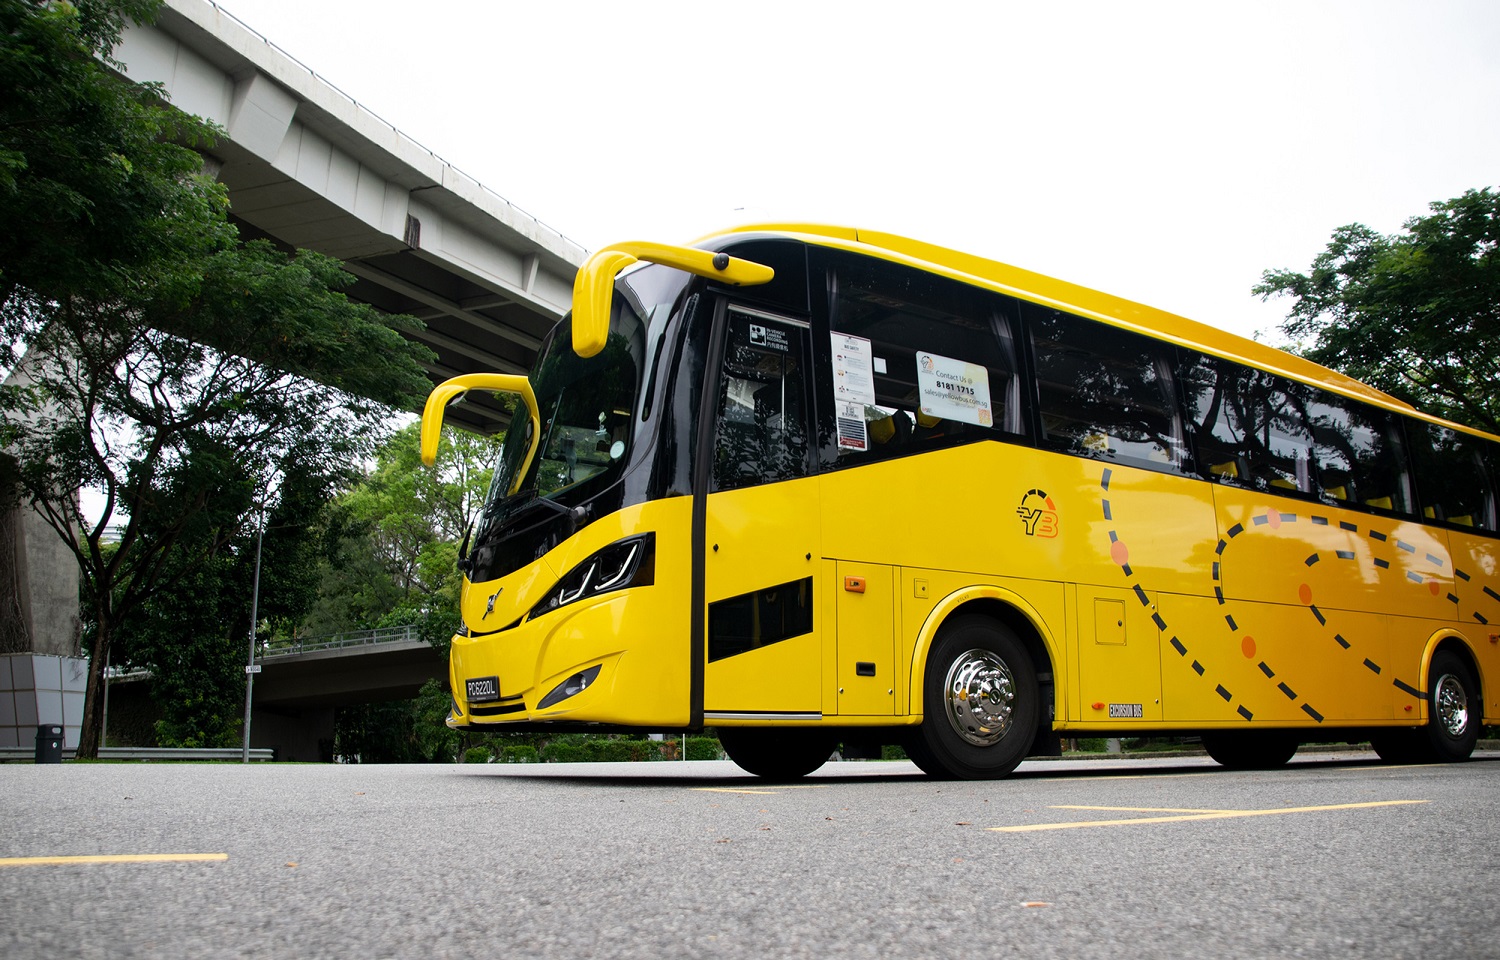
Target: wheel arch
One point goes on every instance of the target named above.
(1451, 641)
(1008, 608)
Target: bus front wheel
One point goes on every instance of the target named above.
(981, 702)
(777, 753)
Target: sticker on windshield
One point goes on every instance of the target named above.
(853, 370)
(769, 338)
(954, 390)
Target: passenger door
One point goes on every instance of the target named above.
(762, 545)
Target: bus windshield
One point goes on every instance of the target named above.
(584, 405)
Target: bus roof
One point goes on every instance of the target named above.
(1050, 291)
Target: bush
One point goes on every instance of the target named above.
(1090, 745)
(478, 755)
(563, 751)
(593, 748)
(893, 751)
(703, 748)
(519, 753)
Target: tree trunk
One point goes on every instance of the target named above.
(93, 700)
(15, 630)
(15, 633)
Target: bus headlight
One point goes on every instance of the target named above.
(625, 563)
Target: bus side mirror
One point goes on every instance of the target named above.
(450, 390)
(594, 286)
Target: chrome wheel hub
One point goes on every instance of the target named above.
(979, 697)
(1452, 705)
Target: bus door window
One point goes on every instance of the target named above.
(762, 430)
(1105, 393)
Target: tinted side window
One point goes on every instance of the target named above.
(1103, 392)
(1360, 458)
(1250, 428)
(1451, 481)
(918, 361)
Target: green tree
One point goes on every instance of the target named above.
(404, 525)
(192, 634)
(166, 364)
(1416, 314)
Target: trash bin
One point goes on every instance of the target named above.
(49, 743)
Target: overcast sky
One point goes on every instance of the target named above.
(1166, 152)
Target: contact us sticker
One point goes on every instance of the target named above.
(954, 390)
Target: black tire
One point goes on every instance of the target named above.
(777, 753)
(1251, 749)
(1453, 709)
(1453, 715)
(976, 660)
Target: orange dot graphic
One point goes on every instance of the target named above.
(1432, 585)
(1273, 517)
(1305, 593)
(1248, 646)
(1118, 551)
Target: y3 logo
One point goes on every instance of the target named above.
(1038, 513)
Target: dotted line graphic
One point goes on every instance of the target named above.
(1121, 556)
(1274, 520)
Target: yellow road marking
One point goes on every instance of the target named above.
(112, 858)
(1137, 809)
(1185, 817)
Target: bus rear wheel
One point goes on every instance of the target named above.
(1250, 749)
(980, 700)
(1452, 718)
(777, 753)
(1453, 708)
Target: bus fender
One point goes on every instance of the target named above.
(945, 607)
(1428, 652)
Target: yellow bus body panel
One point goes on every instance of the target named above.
(637, 636)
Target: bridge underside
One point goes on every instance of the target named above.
(306, 166)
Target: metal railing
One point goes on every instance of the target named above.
(264, 754)
(339, 641)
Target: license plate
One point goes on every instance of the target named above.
(482, 689)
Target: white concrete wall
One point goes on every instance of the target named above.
(36, 689)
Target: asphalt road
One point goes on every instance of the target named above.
(1333, 856)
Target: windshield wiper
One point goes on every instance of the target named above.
(574, 514)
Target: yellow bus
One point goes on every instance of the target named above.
(815, 486)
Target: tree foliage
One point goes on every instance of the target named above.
(193, 635)
(98, 181)
(1416, 314)
(403, 525)
(184, 375)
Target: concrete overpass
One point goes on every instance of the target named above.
(298, 689)
(309, 167)
(295, 695)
